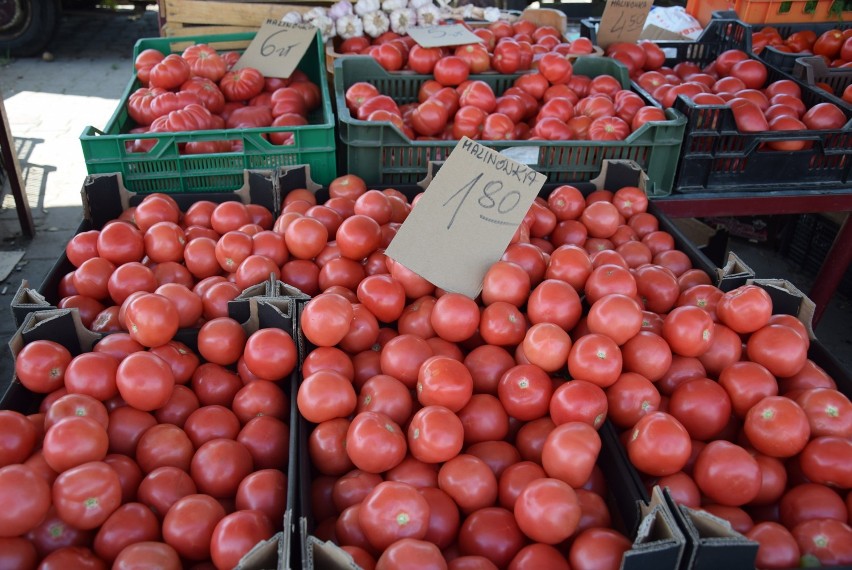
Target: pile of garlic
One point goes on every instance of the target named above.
(375, 17)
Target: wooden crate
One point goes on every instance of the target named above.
(210, 17)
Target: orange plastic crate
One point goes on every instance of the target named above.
(772, 11)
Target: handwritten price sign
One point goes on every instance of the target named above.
(623, 21)
(277, 48)
(440, 36)
(466, 218)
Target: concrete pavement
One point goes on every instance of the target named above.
(49, 101)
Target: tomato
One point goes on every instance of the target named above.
(145, 381)
(777, 426)
(128, 524)
(727, 473)
(392, 511)
(778, 548)
(74, 440)
(688, 330)
(659, 445)
(595, 358)
(497, 126)
(608, 129)
(170, 72)
(429, 118)
(826, 460)
(188, 526)
(506, 57)
(747, 383)
(745, 309)
(570, 452)
(598, 548)
(525, 391)
(236, 534)
(164, 445)
(72, 557)
(824, 116)
(829, 412)
(547, 511)
(702, 406)
(145, 60)
(17, 437)
(374, 442)
(242, 84)
(221, 341)
(86, 495)
(26, 497)
(469, 481)
(748, 115)
(779, 348)
(826, 540)
(492, 533)
(219, 465)
(810, 501)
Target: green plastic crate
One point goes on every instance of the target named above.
(164, 169)
(380, 153)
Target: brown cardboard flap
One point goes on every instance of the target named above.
(659, 542)
(656, 33)
(789, 300)
(265, 555)
(734, 273)
(711, 543)
(617, 174)
(327, 556)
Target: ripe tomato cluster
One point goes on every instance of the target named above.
(739, 81)
(193, 263)
(450, 429)
(505, 48)
(834, 46)
(145, 455)
(197, 91)
(552, 103)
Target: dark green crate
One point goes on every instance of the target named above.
(164, 169)
(380, 153)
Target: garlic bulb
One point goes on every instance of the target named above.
(312, 14)
(390, 6)
(349, 27)
(326, 27)
(376, 24)
(292, 18)
(492, 14)
(428, 15)
(364, 7)
(401, 20)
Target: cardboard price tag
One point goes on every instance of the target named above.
(622, 21)
(440, 36)
(277, 48)
(466, 218)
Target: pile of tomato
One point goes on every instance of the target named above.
(505, 48)
(144, 452)
(835, 45)
(464, 432)
(740, 82)
(197, 91)
(552, 103)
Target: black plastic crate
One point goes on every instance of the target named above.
(807, 245)
(785, 61)
(717, 157)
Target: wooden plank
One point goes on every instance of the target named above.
(9, 156)
(178, 30)
(215, 12)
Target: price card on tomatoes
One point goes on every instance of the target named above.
(466, 218)
(441, 36)
(277, 48)
(623, 21)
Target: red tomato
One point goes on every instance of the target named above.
(242, 84)
(598, 548)
(87, 494)
(727, 473)
(236, 534)
(27, 498)
(659, 444)
(493, 533)
(777, 426)
(392, 511)
(570, 452)
(170, 72)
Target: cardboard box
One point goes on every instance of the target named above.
(65, 327)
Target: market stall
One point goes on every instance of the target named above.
(419, 297)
